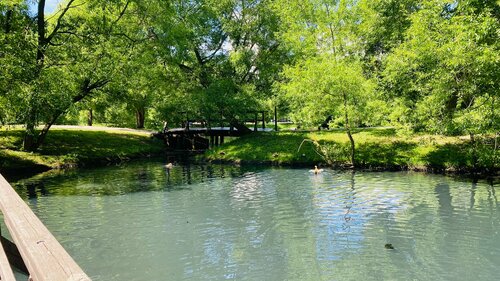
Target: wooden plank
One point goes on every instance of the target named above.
(6, 273)
(44, 257)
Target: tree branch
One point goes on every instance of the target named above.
(185, 68)
(223, 39)
(59, 19)
(121, 14)
(198, 56)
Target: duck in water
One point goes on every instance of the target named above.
(316, 171)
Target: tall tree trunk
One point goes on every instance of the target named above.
(46, 128)
(30, 142)
(473, 152)
(30, 134)
(90, 117)
(41, 33)
(348, 130)
(140, 116)
(8, 19)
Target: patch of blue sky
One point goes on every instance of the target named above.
(50, 6)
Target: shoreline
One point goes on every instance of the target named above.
(377, 150)
(66, 149)
(480, 174)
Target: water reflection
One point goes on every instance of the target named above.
(218, 222)
(117, 180)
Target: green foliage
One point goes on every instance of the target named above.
(316, 88)
(421, 66)
(447, 70)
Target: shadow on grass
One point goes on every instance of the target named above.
(386, 155)
(11, 139)
(95, 144)
(264, 147)
(282, 148)
(449, 156)
(74, 148)
(11, 165)
(464, 157)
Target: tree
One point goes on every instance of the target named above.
(326, 77)
(446, 72)
(223, 55)
(325, 84)
(65, 59)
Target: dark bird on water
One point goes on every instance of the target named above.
(389, 246)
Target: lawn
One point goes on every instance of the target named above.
(380, 148)
(66, 148)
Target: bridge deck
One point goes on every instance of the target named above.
(210, 131)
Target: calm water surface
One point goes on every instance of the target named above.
(138, 222)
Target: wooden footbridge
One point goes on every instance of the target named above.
(199, 134)
(34, 249)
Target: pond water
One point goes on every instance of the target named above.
(140, 222)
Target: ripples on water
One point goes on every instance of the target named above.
(138, 222)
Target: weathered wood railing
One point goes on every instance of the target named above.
(44, 257)
(5, 270)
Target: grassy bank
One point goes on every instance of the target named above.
(375, 149)
(68, 148)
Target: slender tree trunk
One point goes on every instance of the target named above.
(275, 119)
(40, 56)
(474, 152)
(46, 128)
(495, 158)
(8, 19)
(31, 140)
(348, 130)
(90, 117)
(140, 116)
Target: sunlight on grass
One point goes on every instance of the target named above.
(375, 148)
(64, 148)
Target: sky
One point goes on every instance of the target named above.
(50, 6)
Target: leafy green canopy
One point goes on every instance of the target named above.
(316, 88)
(445, 76)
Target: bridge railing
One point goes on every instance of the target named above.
(6, 273)
(44, 257)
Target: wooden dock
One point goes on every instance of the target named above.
(43, 256)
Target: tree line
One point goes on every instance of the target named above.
(431, 65)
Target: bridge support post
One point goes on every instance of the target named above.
(255, 123)
(221, 140)
(212, 141)
(275, 119)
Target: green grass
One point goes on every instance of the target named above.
(66, 148)
(375, 148)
